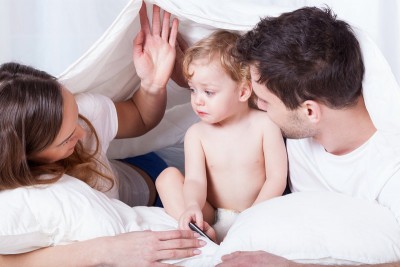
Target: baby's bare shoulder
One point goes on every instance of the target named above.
(261, 118)
(196, 130)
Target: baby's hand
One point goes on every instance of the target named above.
(210, 232)
(192, 214)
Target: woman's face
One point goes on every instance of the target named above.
(70, 133)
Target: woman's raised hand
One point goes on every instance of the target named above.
(154, 49)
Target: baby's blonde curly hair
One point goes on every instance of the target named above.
(219, 44)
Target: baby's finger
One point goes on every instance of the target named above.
(199, 220)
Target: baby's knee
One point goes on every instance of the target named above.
(168, 176)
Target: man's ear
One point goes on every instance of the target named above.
(312, 110)
(245, 91)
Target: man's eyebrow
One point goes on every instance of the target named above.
(67, 138)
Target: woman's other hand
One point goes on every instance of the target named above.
(148, 248)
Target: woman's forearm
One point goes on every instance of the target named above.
(84, 253)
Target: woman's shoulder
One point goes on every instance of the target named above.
(100, 111)
(89, 103)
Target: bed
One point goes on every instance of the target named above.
(309, 227)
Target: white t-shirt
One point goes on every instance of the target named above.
(371, 172)
(101, 112)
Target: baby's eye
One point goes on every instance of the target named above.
(192, 90)
(209, 93)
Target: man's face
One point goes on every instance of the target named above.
(293, 123)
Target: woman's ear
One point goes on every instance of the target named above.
(245, 91)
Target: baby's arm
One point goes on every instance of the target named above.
(276, 165)
(195, 185)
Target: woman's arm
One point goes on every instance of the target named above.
(136, 248)
(153, 56)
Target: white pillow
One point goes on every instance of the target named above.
(317, 227)
(69, 211)
(60, 213)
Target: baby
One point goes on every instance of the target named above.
(235, 156)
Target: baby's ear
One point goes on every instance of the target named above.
(245, 91)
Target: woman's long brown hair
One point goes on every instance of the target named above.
(31, 113)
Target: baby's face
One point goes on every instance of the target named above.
(213, 92)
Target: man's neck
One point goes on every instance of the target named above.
(343, 131)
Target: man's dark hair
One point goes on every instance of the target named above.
(306, 54)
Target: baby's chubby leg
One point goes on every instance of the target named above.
(169, 185)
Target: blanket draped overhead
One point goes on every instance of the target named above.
(107, 67)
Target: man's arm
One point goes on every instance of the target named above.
(265, 259)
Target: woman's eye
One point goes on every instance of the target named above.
(65, 142)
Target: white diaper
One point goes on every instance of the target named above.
(224, 219)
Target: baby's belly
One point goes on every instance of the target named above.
(234, 194)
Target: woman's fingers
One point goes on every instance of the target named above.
(144, 21)
(176, 254)
(138, 44)
(156, 21)
(174, 32)
(176, 234)
(165, 26)
(157, 29)
(178, 244)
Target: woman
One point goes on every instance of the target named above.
(46, 133)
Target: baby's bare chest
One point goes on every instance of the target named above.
(233, 153)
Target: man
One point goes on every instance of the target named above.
(307, 71)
